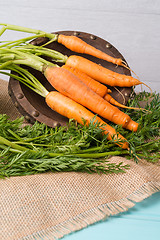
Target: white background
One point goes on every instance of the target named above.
(133, 27)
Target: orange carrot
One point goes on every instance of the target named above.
(101, 73)
(78, 45)
(111, 100)
(71, 86)
(73, 110)
(96, 86)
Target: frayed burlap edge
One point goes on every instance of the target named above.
(96, 214)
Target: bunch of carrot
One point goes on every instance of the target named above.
(79, 82)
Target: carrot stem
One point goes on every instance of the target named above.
(20, 41)
(28, 79)
(39, 51)
(28, 30)
(12, 145)
(3, 29)
(95, 155)
(30, 60)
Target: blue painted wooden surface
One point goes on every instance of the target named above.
(142, 222)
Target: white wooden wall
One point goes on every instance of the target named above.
(133, 27)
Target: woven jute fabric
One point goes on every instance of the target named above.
(51, 205)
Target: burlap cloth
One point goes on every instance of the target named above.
(51, 205)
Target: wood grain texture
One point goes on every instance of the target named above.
(131, 26)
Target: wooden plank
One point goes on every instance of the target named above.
(121, 6)
(131, 26)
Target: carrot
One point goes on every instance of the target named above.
(68, 84)
(71, 42)
(78, 45)
(111, 100)
(66, 106)
(101, 73)
(73, 110)
(71, 86)
(96, 86)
